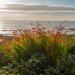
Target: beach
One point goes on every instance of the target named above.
(37, 37)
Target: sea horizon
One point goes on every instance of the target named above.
(22, 16)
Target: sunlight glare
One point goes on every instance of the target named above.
(4, 2)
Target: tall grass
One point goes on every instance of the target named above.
(40, 48)
(37, 40)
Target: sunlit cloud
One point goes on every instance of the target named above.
(4, 2)
(64, 3)
(7, 1)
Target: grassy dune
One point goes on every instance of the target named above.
(38, 51)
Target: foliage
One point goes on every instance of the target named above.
(38, 51)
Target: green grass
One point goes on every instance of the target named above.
(37, 51)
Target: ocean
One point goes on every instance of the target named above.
(6, 27)
(17, 19)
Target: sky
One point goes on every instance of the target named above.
(41, 2)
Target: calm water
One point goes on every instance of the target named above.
(13, 25)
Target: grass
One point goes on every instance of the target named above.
(38, 51)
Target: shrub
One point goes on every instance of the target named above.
(4, 59)
(38, 51)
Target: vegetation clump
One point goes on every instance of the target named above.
(38, 51)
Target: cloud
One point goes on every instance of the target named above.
(67, 3)
(7, 1)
